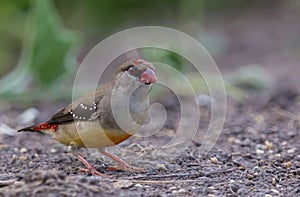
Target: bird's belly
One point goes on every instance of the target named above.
(90, 135)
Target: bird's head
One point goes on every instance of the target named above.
(132, 84)
(137, 71)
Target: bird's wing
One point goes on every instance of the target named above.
(85, 109)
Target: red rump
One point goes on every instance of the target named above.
(45, 126)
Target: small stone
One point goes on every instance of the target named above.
(270, 152)
(205, 100)
(14, 158)
(23, 150)
(4, 129)
(122, 184)
(275, 191)
(268, 144)
(180, 191)
(250, 176)
(161, 166)
(292, 150)
(259, 152)
(211, 188)
(172, 188)
(53, 150)
(7, 182)
(231, 139)
(268, 195)
(23, 158)
(260, 147)
(278, 185)
(211, 195)
(214, 160)
(255, 168)
(287, 164)
(138, 185)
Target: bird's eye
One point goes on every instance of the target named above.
(131, 70)
(129, 67)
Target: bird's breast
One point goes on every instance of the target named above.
(89, 134)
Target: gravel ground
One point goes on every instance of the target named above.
(257, 154)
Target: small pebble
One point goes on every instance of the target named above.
(275, 191)
(205, 100)
(260, 147)
(214, 160)
(14, 158)
(268, 144)
(211, 195)
(23, 158)
(278, 186)
(23, 150)
(250, 176)
(292, 150)
(259, 152)
(172, 188)
(138, 185)
(211, 188)
(287, 164)
(123, 184)
(161, 166)
(4, 129)
(181, 191)
(231, 139)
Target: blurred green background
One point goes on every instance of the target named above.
(42, 42)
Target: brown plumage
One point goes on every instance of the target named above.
(90, 121)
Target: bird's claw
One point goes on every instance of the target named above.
(94, 172)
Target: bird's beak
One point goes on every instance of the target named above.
(148, 76)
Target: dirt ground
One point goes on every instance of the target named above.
(257, 153)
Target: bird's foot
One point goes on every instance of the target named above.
(91, 170)
(94, 172)
(123, 166)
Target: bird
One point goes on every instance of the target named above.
(90, 120)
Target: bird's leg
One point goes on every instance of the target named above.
(122, 164)
(89, 167)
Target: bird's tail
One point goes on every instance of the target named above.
(30, 129)
(40, 127)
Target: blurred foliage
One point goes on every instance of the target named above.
(45, 56)
(38, 52)
(50, 44)
(164, 56)
(12, 24)
(252, 78)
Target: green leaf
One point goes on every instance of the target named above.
(46, 54)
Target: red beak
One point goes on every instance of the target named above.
(148, 76)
